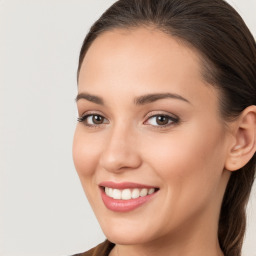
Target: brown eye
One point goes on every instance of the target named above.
(92, 120)
(97, 119)
(162, 120)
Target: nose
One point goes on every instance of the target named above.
(120, 152)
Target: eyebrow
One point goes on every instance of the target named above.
(141, 100)
(90, 97)
(148, 98)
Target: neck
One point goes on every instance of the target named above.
(167, 248)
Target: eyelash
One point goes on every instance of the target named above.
(171, 120)
(85, 117)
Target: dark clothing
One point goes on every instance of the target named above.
(102, 249)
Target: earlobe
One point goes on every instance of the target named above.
(244, 147)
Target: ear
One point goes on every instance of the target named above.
(243, 146)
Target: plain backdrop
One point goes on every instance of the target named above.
(43, 210)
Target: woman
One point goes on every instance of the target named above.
(165, 143)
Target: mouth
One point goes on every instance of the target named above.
(128, 193)
(123, 197)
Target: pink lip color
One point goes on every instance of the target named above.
(118, 205)
(123, 185)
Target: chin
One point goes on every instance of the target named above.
(124, 238)
(128, 233)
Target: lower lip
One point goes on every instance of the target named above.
(117, 205)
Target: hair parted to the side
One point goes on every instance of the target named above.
(228, 53)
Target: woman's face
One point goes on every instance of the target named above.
(150, 131)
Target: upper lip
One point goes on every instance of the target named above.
(124, 185)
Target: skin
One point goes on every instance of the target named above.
(186, 160)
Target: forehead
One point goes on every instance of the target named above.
(139, 45)
(142, 60)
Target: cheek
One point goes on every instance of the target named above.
(189, 164)
(189, 157)
(85, 153)
(86, 150)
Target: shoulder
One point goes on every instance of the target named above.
(102, 249)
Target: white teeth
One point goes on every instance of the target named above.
(127, 194)
(135, 193)
(143, 192)
(151, 191)
(117, 193)
(110, 192)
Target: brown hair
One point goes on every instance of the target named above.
(228, 52)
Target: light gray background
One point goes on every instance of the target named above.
(43, 210)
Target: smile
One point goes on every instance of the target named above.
(124, 197)
(127, 194)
